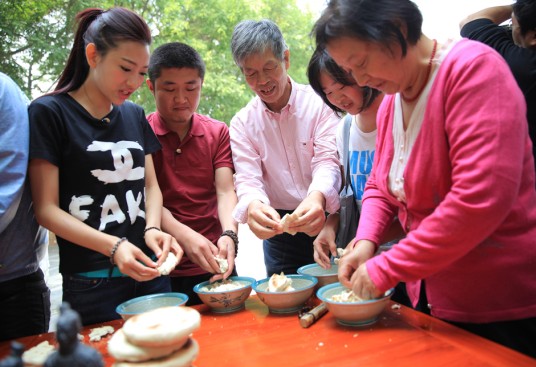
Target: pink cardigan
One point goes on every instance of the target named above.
(470, 215)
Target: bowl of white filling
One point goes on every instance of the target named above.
(227, 295)
(350, 310)
(285, 293)
(150, 302)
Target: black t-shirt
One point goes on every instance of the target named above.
(522, 63)
(101, 170)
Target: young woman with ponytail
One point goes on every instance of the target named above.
(91, 172)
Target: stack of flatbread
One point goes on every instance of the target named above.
(157, 338)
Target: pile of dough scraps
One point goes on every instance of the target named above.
(280, 283)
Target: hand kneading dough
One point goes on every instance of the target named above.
(184, 357)
(122, 350)
(168, 265)
(162, 327)
(287, 221)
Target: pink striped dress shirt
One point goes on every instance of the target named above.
(281, 157)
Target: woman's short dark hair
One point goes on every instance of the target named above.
(384, 22)
(322, 62)
(175, 55)
(525, 12)
(106, 29)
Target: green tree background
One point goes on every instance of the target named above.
(37, 36)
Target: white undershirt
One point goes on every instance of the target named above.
(404, 140)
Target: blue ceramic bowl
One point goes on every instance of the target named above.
(142, 304)
(360, 313)
(324, 276)
(287, 302)
(225, 301)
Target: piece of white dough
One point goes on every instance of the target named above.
(222, 263)
(168, 265)
(287, 221)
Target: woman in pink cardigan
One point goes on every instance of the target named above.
(453, 161)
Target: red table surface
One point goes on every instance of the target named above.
(254, 337)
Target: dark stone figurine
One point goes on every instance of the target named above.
(15, 358)
(71, 353)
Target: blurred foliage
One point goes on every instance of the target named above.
(37, 36)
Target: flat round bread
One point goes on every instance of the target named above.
(162, 327)
(122, 350)
(184, 357)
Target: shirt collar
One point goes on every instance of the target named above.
(160, 129)
(290, 103)
(196, 129)
(158, 126)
